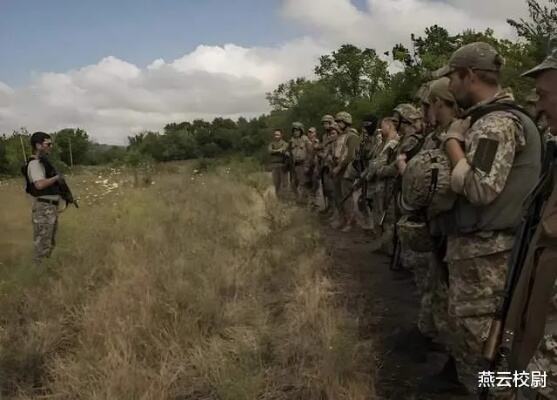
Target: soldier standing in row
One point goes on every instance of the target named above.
(533, 311)
(312, 167)
(43, 184)
(344, 154)
(495, 154)
(278, 152)
(299, 149)
(325, 155)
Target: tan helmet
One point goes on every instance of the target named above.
(298, 125)
(439, 89)
(408, 112)
(345, 117)
(328, 118)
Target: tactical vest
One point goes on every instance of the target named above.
(298, 149)
(276, 158)
(340, 147)
(505, 212)
(50, 172)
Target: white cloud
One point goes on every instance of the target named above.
(114, 98)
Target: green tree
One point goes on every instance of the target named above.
(353, 73)
(72, 145)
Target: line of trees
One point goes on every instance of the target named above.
(350, 78)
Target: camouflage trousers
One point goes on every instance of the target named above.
(348, 206)
(419, 264)
(475, 288)
(280, 180)
(45, 224)
(545, 358)
(298, 182)
(328, 188)
(437, 299)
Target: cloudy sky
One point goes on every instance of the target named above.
(119, 67)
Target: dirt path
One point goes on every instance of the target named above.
(386, 303)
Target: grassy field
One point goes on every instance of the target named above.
(193, 286)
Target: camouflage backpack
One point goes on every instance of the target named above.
(426, 183)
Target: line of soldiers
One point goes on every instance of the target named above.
(446, 185)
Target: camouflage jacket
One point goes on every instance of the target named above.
(300, 149)
(344, 150)
(481, 188)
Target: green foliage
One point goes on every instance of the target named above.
(72, 145)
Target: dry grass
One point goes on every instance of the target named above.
(202, 288)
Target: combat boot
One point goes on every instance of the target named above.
(444, 382)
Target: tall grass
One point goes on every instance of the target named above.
(200, 286)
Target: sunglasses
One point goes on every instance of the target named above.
(48, 144)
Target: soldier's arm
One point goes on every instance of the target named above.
(491, 145)
(383, 169)
(352, 143)
(37, 176)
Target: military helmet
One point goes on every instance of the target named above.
(414, 234)
(408, 112)
(439, 89)
(298, 125)
(328, 118)
(345, 117)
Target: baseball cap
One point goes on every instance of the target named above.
(477, 55)
(549, 63)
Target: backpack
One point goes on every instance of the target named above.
(426, 183)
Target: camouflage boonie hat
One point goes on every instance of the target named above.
(549, 63)
(439, 89)
(344, 116)
(479, 55)
(414, 234)
(408, 112)
(298, 125)
(328, 118)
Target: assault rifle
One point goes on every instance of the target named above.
(66, 193)
(359, 182)
(499, 343)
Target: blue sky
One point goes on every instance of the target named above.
(57, 35)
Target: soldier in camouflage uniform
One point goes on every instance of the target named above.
(325, 156)
(532, 314)
(367, 150)
(344, 154)
(278, 150)
(496, 158)
(299, 149)
(42, 183)
(312, 167)
(379, 173)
